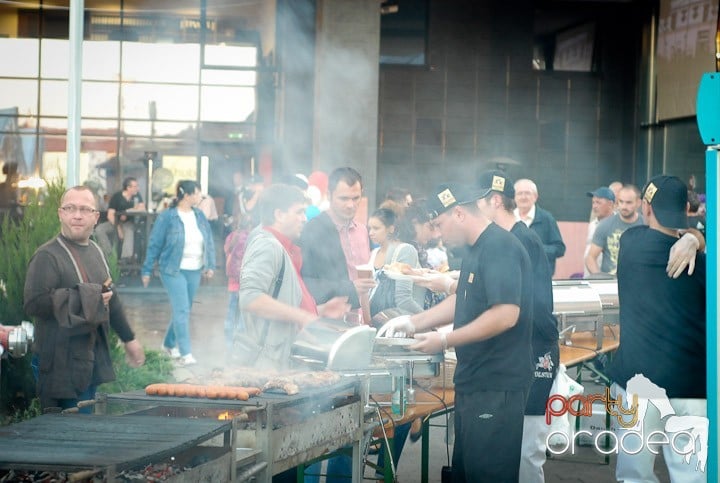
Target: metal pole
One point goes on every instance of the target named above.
(712, 159)
(77, 9)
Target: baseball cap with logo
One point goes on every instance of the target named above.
(449, 195)
(668, 196)
(496, 181)
(602, 192)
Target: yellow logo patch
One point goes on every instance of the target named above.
(650, 192)
(446, 197)
(498, 183)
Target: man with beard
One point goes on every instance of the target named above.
(606, 239)
(68, 290)
(334, 243)
(492, 311)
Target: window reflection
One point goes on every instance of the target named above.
(143, 88)
(171, 101)
(161, 62)
(231, 55)
(99, 99)
(19, 93)
(227, 103)
(18, 57)
(53, 98)
(150, 129)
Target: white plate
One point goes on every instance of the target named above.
(396, 341)
(398, 275)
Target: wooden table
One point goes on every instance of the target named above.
(584, 346)
(429, 404)
(584, 352)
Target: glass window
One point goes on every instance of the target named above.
(231, 55)
(228, 104)
(229, 77)
(171, 102)
(22, 94)
(101, 60)
(19, 57)
(99, 125)
(54, 124)
(150, 129)
(53, 98)
(55, 58)
(99, 99)
(161, 62)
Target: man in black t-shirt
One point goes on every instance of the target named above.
(498, 205)
(119, 224)
(662, 333)
(492, 315)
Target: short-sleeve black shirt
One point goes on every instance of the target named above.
(119, 203)
(496, 270)
(662, 320)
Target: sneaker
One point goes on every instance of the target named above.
(187, 360)
(174, 353)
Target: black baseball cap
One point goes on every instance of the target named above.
(449, 195)
(496, 180)
(668, 196)
(603, 192)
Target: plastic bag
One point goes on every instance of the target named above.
(565, 386)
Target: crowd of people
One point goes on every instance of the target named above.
(285, 272)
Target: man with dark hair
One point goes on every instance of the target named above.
(492, 312)
(498, 206)
(662, 336)
(334, 243)
(68, 290)
(275, 302)
(119, 224)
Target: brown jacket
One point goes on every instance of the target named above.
(71, 321)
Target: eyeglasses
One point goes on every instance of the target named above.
(84, 210)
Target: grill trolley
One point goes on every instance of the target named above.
(102, 446)
(273, 432)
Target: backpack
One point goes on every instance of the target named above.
(235, 244)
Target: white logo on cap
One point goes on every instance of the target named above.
(650, 192)
(446, 197)
(498, 183)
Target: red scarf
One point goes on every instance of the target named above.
(307, 302)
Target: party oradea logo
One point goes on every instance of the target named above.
(685, 435)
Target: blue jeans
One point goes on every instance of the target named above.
(181, 288)
(233, 321)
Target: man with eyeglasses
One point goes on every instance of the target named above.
(120, 224)
(68, 289)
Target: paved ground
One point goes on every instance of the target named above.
(149, 312)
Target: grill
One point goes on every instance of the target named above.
(273, 432)
(585, 306)
(107, 445)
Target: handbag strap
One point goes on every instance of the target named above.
(276, 291)
(396, 253)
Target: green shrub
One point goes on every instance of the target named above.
(18, 241)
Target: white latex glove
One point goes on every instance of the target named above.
(682, 254)
(398, 327)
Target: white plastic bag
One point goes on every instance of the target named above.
(566, 387)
